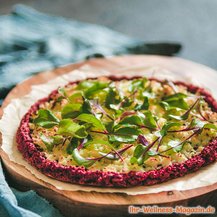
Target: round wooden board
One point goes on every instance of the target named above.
(104, 204)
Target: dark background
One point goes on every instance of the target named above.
(193, 23)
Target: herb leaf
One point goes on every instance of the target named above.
(80, 160)
(144, 105)
(187, 113)
(176, 100)
(134, 120)
(76, 97)
(86, 107)
(210, 126)
(50, 141)
(91, 87)
(167, 126)
(46, 119)
(112, 97)
(69, 128)
(71, 110)
(136, 84)
(47, 141)
(89, 118)
(149, 120)
(176, 145)
(125, 134)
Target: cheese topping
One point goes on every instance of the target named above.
(121, 126)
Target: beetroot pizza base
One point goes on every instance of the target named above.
(83, 176)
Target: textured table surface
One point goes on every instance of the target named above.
(192, 22)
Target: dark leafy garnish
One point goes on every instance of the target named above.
(81, 161)
(51, 141)
(74, 143)
(89, 118)
(187, 113)
(68, 127)
(86, 107)
(137, 84)
(46, 119)
(71, 110)
(134, 120)
(150, 120)
(124, 134)
(176, 100)
(144, 105)
(163, 132)
(142, 153)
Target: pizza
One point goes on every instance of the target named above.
(120, 131)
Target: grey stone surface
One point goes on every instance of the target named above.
(191, 22)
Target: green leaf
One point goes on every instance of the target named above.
(81, 133)
(112, 97)
(71, 110)
(83, 85)
(125, 134)
(74, 142)
(139, 155)
(48, 141)
(139, 150)
(86, 107)
(167, 126)
(179, 103)
(137, 84)
(62, 91)
(69, 128)
(126, 102)
(46, 119)
(165, 105)
(57, 139)
(76, 97)
(176, 100)
(133, 160)
(152, 152)
(176, 145)
(210, 126)
(92, 87)
(187, 113)
(134, 120)
(89, 118)
(149, 120)
(80, 160)
(174, 97)
(109, 126)
(144, 105)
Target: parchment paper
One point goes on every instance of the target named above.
(18, 107)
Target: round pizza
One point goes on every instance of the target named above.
(120, 131)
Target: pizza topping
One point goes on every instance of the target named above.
(126, 125)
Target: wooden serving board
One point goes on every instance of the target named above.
(104, 204)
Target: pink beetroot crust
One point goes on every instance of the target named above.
(82, 176)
